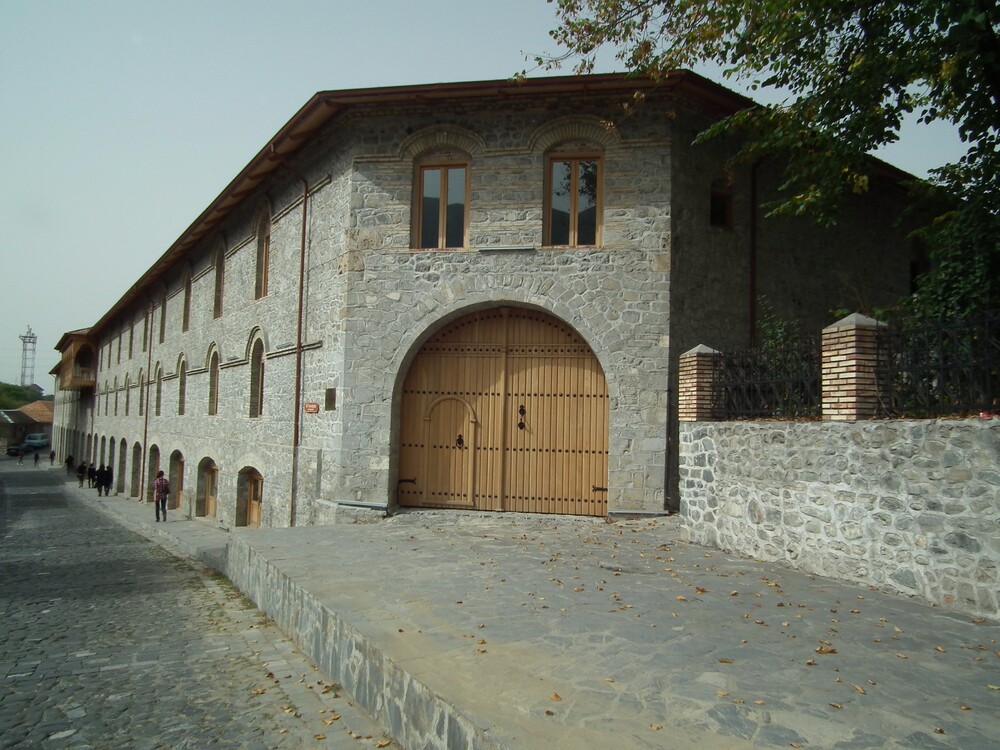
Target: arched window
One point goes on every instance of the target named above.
(257, 379)
(573, 198)
(142, 394)
(263, 254)
(163, 316)
(220, 281)
(128, 395)
(159, 391)
(131, 337)
(116, 395)
(145, 329)
(213, 384)
(186, 312)
(442, 199)
(181, 386)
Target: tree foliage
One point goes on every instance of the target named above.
(852, 71)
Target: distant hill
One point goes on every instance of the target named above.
(16, 396)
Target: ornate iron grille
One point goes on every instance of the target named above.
(951, 367)
(769, 382)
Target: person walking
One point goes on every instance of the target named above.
(109, 479)
(52, 458)
(69, 466)
(161, 489)
(36, 459)
(81, 472)
(99, 480)
(91, 475)
(20, 457)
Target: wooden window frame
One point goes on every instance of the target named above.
(444, 162)
(575, 157)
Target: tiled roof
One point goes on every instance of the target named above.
(39, 411)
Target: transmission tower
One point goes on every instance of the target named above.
(28, 342)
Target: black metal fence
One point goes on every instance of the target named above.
(769, 382)
(951, 367)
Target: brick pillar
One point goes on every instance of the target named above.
(694, 389)
(850, 386)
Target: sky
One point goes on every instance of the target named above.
(121, 120)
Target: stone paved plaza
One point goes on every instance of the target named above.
(108, 640)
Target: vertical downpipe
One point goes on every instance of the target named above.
(296, 416)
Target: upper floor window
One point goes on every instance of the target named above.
(128, 395)
(442, 204)
(574, 201)
(220, 282)
(213, 384)
(181, 386)
(145, 330)
(257, 379)
(186, 312)
(142, 394)
(116, 397)
(159, 391)
(263, 255)
(131, 336)
(720, 209)
(163, 316)
(119, 359)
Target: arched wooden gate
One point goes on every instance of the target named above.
(505, 409)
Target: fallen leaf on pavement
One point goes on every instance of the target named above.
(859, 689)
(725, 660)
(836, 705)
(656, 727)
(383, 743)
(556, 697)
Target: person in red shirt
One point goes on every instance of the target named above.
(161, 490)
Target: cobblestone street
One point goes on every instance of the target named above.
(109, 641)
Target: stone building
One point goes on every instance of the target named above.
(467, 295)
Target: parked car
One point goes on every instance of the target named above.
(20, 450)
(36, 440)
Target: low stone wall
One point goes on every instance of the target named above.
(907, 505)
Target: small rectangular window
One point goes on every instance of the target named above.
(574, 202)
(441, 207)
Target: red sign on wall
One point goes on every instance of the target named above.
(311, 407)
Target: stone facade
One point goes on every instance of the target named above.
(661, 278)
(906, 505)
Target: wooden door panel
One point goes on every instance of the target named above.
(472, 379)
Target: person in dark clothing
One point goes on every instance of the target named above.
(36, 458)
(52, 458)
(91, 475)
(109, 479)
(81, 472)
(69, 466)
(99, 480)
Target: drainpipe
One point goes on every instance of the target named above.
(144, 399)
(296, 416)
(753, 252)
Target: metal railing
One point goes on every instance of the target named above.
(769, 382)
(949, 367)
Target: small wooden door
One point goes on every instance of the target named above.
(211, 480)
(505, 409)
(255, 491)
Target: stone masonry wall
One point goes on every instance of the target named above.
(907, 505)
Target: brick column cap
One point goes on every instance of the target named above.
(855, 319)
(700, 349)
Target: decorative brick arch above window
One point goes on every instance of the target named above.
(441, 138)
(574, 129)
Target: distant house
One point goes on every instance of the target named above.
(33, 418)
(466, 295)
